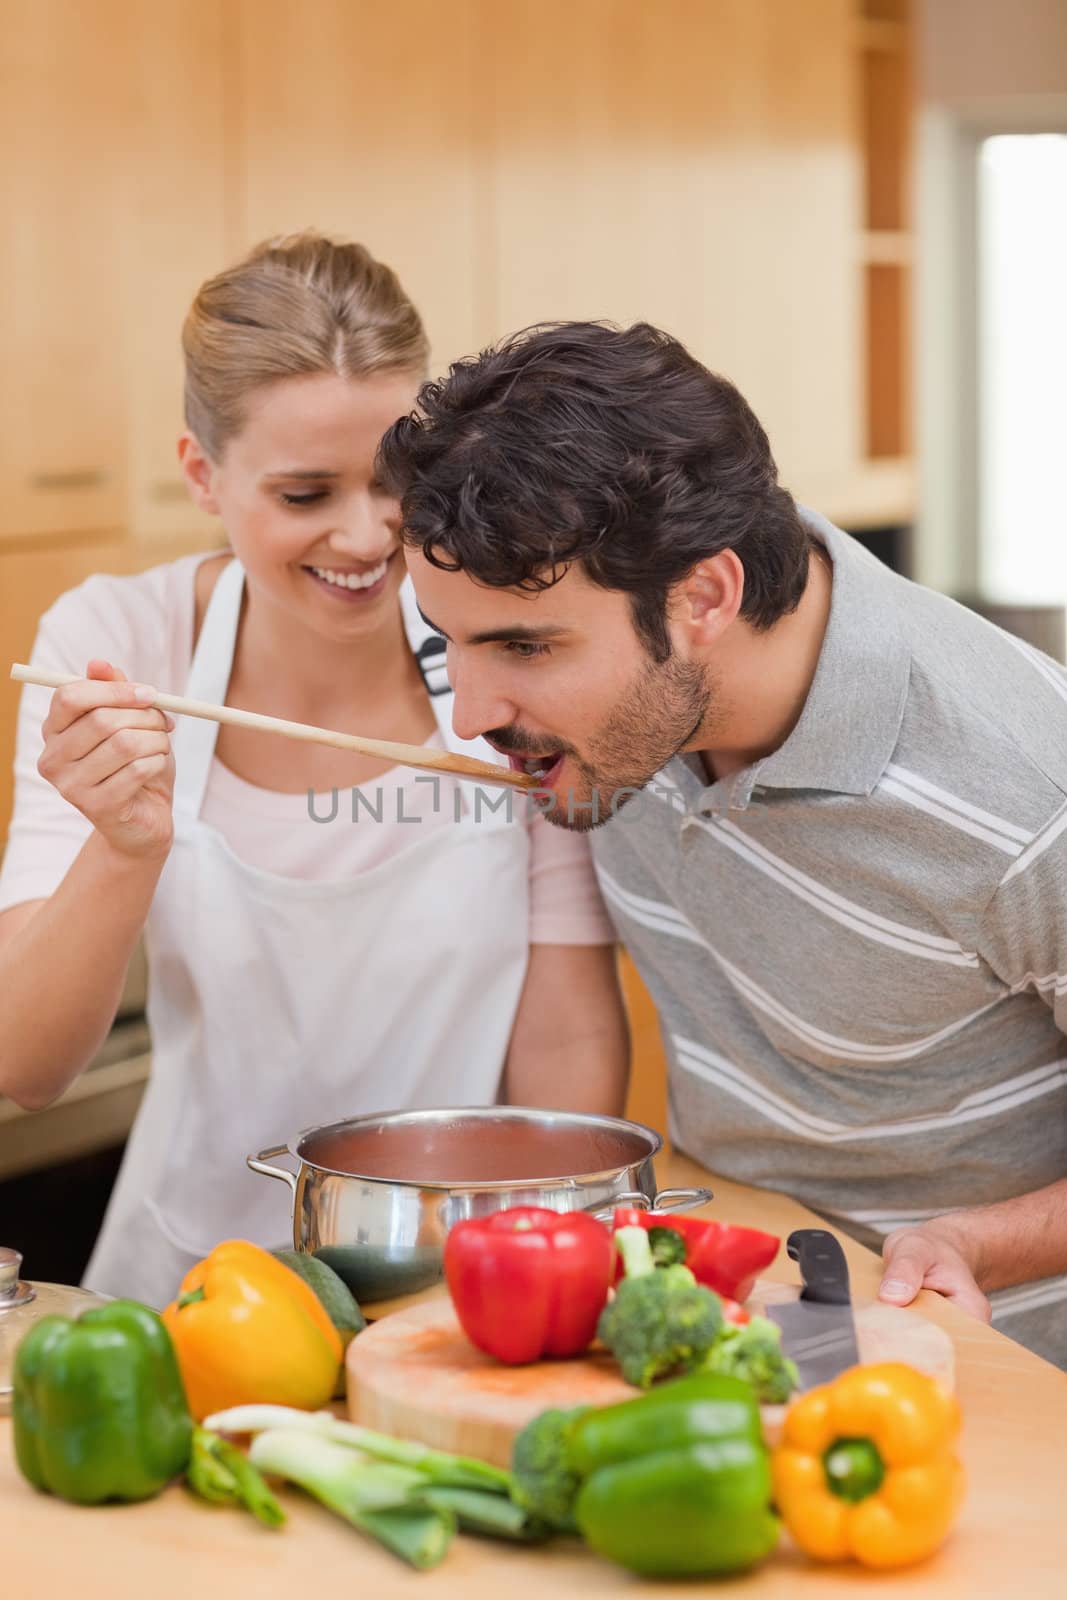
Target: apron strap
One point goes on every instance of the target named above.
(429, 649)
(209, 679)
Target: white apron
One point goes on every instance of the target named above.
(278, 1004)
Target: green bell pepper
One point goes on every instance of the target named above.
(98, 1407)
(676, 1483)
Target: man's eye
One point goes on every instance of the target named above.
(303, 499)
(525, 650)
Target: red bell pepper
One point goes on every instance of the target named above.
(725, 1258)
(732, 1312)
(529, 1282)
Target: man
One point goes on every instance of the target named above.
(830, 806)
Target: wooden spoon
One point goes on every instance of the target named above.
(403, 755)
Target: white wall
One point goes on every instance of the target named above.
(982, 66)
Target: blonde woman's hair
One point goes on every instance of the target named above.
(297, 305)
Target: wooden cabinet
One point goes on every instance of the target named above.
(62, 450)
(884, 71)
(691, 164)
(112, 183)
(705, 165)
(717, 167)
(646, 1100)
(733, 170)
(365, 121)
(170, 233)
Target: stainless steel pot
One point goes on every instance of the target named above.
(375, 1196)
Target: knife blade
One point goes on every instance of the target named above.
(818, 1332)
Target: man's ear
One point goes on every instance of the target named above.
(704, 603)
(199, 473)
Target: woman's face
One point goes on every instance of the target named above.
(297, 494)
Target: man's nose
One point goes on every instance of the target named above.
(476, 706)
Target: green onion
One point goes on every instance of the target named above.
(458, 1472)
(379, 1498)
(222, 1474)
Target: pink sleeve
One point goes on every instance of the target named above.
(123, 620)
(565, 902)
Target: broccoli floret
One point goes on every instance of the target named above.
(544, 1484)
(754, 1352)
(668, 1247)
(661, 1320)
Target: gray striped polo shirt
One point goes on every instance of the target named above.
(858, 945)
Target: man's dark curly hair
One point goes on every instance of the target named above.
(610, 447)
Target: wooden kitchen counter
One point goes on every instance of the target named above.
(1011, 1538)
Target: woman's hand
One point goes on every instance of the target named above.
(110, 756)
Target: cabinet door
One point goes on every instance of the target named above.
(364, 121)
(691, 163)
(171, 234)
(61, 399)
(113, 182)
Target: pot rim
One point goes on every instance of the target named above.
(531, 1114)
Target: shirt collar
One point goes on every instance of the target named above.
(848, 729)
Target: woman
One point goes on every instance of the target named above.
(300, 971)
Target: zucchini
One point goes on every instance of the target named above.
(334, 1293)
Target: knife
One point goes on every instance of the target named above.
(818, 1332)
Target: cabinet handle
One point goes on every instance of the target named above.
(84, 478)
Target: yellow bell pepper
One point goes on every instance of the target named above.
(867, 1469)
(248, 1330)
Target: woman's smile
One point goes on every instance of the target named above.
(350, 584)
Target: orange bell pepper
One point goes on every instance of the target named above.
(866, 1467)
(248, 1330)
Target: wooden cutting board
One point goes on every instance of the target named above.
(415, 1374)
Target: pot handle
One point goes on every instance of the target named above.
(666, 1200)
(681, 1199)
(258, 1163)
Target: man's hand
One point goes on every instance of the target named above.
(934, 1256)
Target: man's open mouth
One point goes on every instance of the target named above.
(544, 768)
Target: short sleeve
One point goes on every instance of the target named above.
(123, 620)
(1024, 929)
(565, 901)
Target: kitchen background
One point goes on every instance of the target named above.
(856, 209)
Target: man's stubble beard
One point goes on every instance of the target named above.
(663, 711)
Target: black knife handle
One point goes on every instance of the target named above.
(823, 1268)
